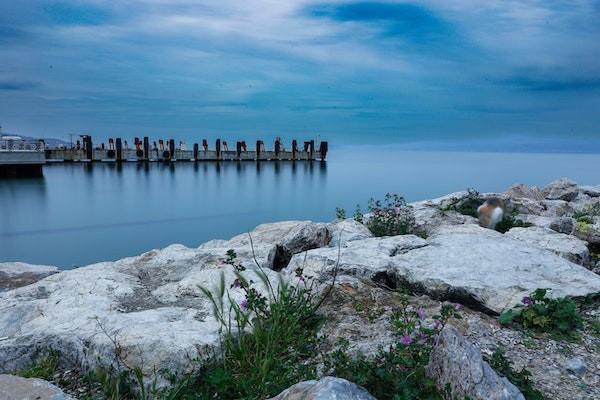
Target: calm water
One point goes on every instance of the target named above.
(79, 214)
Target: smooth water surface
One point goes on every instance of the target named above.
(81, 213)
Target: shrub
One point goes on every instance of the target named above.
(507, 223)
(399, 372)
(559, 317)
(43, 366)
(521, 379)
(390, 216)
(340, 213)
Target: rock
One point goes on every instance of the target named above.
(590, 232)
(562, 189)
(347, 230)
(566, 246)
(521, 191)
(456, 362)
(17, 274)
(563, 225)
(17, 388)
(151, 305)
(478, 267)
(278, 242)
(556, 208)
(592, 191)
(326, 388)
(576, 366)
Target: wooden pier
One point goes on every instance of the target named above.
(14, 156)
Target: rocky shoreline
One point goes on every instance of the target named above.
(151, 311)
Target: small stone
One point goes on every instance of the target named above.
(576, 366)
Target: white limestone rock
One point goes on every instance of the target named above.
(561, 189)
(326, 388)
(17, 388)
(347, 230)
(17, 274)
(566, 246)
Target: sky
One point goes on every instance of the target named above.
(352, 72)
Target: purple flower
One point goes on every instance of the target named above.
(244, 304)
(526, 300)
(421, 313)
(437, 324)
(406, 340)
(236, 284)
(457, 307)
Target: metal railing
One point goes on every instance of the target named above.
(21, 145)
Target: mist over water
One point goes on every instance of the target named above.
(79, 214)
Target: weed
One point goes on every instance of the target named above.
(44, 366)
(521, 379)
(559, 317)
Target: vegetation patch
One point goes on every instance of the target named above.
(470, 204)
(521, 379)
(507, 223)
(558, 317)
(398, 372)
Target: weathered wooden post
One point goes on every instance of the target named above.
(119, 145)
(172, 149)
(258, 146)
(312, 149)
(146, 148)
(218, 148)
(205, 145)
(89, 149)
(277, 147)
(238, 149)
(323, 150)
(294, 149)
(195, 151)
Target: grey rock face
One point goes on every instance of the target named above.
(17, 274)
(521, 191)
(576, 366)
(347, 230)
(466, 263)
(151, 305)
(17, 388)
(562, 189)
(566, 246)
(590, 232)
(564, 225)
(456, 362)
(327, 388)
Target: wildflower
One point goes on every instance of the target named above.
(421, 313)
(457, 307)
(437, 324)
(244, 304)
(236, 284)
(526, 300)
(406, 340)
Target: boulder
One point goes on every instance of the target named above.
(457, 363)
(588, 231)
(562, 189)
(563, 225)
(151, 306)
(17, 274)
(326, 388)
(566, 246)
(592, 191)
(17, 388)
(521, 191)
(465, 263)
(346, 230)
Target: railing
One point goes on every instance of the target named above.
(21, 145)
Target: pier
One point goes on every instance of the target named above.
(21, 157)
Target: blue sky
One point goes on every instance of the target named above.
(352, 72)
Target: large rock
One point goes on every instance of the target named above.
(566, 246)
(346, 230)
(17, 388)
(521, 191)
(327, 388)
(17, 274)
(562, 189)
(466, 263)
(457, 363)
(151, 305)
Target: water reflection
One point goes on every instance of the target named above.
(81, 213)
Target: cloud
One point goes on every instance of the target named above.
(9, 34)
(18, 85)
(76, 14)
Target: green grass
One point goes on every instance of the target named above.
(521, 379)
